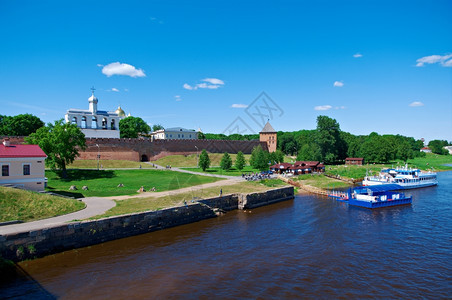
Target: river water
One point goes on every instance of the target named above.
(311, 247)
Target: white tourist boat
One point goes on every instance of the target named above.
(406, 177)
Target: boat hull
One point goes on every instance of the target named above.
(380, 204)
(414, 185)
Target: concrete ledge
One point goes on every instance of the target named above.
(38, 243)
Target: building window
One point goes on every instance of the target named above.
(26, 169)
(5, 170)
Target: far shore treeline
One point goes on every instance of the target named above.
(327, 143)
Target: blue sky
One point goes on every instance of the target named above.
(382, 66)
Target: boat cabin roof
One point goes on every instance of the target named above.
(378, 188)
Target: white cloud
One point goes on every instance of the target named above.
(207, 86)
(187, 86)
(323, 107)
(357, 55)
(118, 68)
(416, 104)
(178, 98)
(114, 90)
(338, 84)
(155, 20)
(99, 65)
(339, 107)
(239, 106)
(444, 60)
(214, 81)
(209, 83)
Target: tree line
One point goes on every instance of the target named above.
(328, 143)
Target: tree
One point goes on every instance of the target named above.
(328, 139)
(276, 157)
(259, 158)
(404, 151)
(240, 161)
(130, 127)
(156, 127)
(437, 147)
(310, 152)
(20, 125)
(61, 142)
(376, 149)
(204, 160)
(226, 161)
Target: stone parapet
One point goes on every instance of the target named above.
(38, 243)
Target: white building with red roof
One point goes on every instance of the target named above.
(22, 166)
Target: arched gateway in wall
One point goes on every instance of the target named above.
(96, 123)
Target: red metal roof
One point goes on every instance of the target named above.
(299, 168)
(307, 163)
(21, 151)
(278, 166)
(354, 158)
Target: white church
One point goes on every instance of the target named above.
(96, 123)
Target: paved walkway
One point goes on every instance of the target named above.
(94, 206)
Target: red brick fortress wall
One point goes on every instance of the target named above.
(137, 149)
(140, 149)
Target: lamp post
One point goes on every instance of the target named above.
(98, 156)
(197, 157)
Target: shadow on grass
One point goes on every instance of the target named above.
(68, 194)
(75, 175)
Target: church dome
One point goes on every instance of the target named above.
(120, 112)
(92, 98)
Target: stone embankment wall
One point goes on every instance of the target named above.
(38, 243)
(145, 149)
(253, 200)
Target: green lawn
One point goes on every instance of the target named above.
(432, 160)
(156, 203)
(107, 164)
(350, 171)
(217, 170)
(105, 183)
(187, 161)
(16, 204)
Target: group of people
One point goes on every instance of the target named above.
(255, 176)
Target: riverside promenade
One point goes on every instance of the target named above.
(94, 206)
(99, 205)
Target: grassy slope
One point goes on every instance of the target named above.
(321, 181)
(432, 160)
(104, 183)
(27, 206)
(154, 203)
(217, 170)
(188, 161)
(107, 164)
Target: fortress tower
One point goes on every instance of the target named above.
(268, 135)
